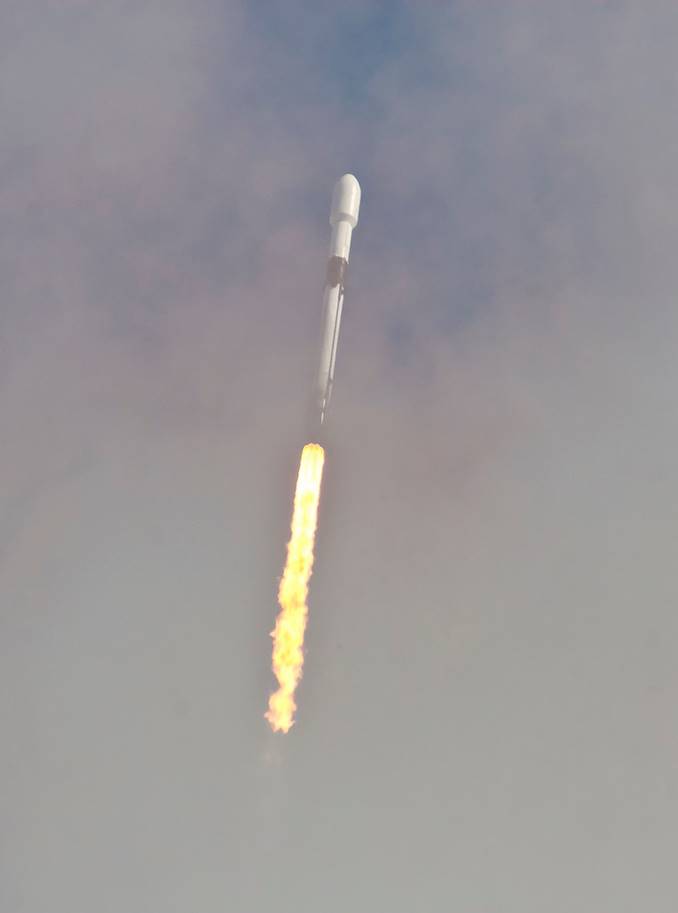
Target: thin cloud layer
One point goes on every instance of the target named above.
(485, 717)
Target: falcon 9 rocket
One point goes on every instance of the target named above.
(343, 219)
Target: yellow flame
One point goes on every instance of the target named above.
(288, 635)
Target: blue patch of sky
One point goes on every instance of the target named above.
(340, 50)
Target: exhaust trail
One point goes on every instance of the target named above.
(290, 626)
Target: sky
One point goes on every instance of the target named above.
(487, 721)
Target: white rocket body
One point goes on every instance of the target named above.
(343, 219)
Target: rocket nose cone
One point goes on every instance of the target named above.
(345, 201)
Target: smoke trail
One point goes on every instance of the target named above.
(288, 635)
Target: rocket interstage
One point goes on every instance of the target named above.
(343, 219)
(290, 626)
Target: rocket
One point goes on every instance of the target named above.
(343, 219)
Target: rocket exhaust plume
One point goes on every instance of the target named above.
(288, 634)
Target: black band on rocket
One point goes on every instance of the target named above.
(336, 271)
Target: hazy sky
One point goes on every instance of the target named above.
(487, 722)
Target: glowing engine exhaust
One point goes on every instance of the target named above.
(288, 634)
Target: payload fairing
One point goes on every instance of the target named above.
(343, 219)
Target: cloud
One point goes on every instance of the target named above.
(490, 676)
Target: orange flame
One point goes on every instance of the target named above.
(288, 635)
